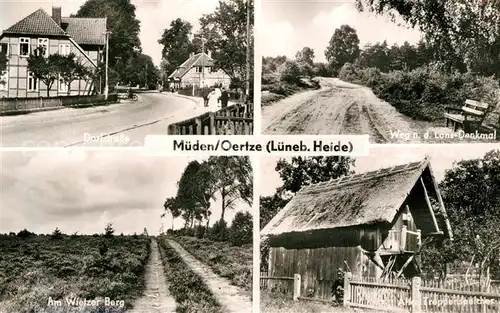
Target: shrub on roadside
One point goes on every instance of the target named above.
(219, 231)
(291, 73)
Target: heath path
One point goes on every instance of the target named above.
(157, 298)
(341, 108)
(231, 297)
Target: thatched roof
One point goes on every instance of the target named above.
(362, 199)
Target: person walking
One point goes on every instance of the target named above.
(206, 95)
(224, 97)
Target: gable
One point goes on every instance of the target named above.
(38, 23)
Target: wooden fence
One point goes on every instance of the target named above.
(399, 295)
(234, 120)
(10, 105)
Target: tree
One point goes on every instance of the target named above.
(70, 69)
(471, 191)
(56, 234)
(172, 206)
(303, 171)
(44, 69)
(241, 229)
(226, 34)
(305, 55)
(109, 230)
(124, 42)
(140, 70)
(465, 34)
(343, 47)
(270, 206)
(377, 56)
(232, 177)
(177, 44)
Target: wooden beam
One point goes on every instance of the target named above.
(404, 266)
(429, 205)
(441, 203)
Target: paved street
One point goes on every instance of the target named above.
(151, 114)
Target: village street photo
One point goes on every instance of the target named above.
(402, 73)
(411, 229)
(125, 233)
(108, 73)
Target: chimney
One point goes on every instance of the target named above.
(56, 15)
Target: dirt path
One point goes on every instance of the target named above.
(340, 108)
(231, 297)
(156, 299)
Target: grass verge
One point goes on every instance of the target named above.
(233, 263)
(189, 290)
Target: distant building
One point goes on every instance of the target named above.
(198, 70)
(85, 37)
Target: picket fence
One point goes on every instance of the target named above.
(234, 120)
(11, 105)
(400, 295)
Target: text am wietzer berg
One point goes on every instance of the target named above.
(271, 146)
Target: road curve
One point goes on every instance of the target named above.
(151, 114)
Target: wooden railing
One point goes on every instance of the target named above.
(285, 285)
(234, 120)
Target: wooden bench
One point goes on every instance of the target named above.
(469, 117)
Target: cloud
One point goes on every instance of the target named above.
(278, 39)
(83, 191)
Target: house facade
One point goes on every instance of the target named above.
(85, 37)
(199, 71)
(372, 225)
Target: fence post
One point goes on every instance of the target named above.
(347, 289)
(198, 129)
(213, 130)
(416, 299)
(296, 286)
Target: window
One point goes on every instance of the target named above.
(198, 69)
(64, 49)
(24, 47)
(4, 78)
(32, 82)
(63, 87)
(44, 43)
(4, 48)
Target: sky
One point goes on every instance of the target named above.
(441, 157)
(155, 16)
(287, 26)
(84, 191)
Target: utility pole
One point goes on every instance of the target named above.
(247, 80)
(203, 61)
(106, 87)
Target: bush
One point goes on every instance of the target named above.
(219, 231)
(291, 73)
(241, 229)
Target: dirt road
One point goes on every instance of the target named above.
(157, 298)
(231, 297)
(340, 108)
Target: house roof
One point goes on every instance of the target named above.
(37, 23)
(86, 31)
(362, 199)
(199, 59)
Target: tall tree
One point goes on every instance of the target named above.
(233, 180)
(376, 55)
(124, 42)
(465, 34)
(140, 70)
(177, 45)
(226, 33)
(303, 171)
(173, 207)
(343, 47)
